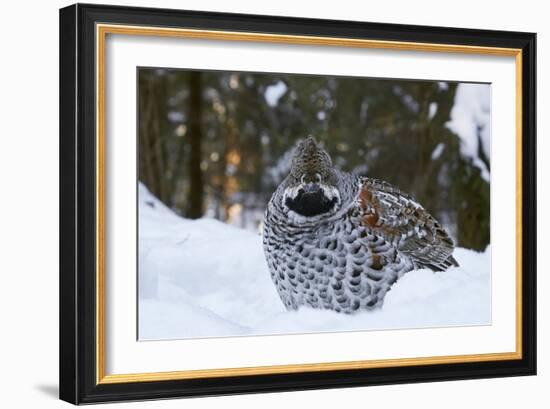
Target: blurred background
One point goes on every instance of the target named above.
(217, 144)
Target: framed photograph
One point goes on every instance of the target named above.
(257, 203)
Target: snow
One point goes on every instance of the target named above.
(438, 150)
(471, 114)
(203, 278)
(274, 92)
(432, 110)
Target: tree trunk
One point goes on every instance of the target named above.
(152, 166)
(196, 188)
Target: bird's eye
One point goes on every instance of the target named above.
(317, 178)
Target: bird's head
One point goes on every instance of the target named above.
(310, 189)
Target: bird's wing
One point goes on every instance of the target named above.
(404, 222)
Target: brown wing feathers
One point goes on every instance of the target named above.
(400, 219)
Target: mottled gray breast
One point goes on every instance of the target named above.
(336, 264)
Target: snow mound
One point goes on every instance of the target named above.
(470, 116)
(204, 278)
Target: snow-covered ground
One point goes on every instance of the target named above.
(203, 278)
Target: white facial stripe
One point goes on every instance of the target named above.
(329, 191)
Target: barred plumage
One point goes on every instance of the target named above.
(338, 241)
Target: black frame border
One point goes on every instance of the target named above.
(77, 149)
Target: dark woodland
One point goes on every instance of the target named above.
(214, 144)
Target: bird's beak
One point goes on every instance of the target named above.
(311, 187)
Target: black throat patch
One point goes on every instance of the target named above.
(311, 203)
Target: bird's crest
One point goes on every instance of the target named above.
(310, 162)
